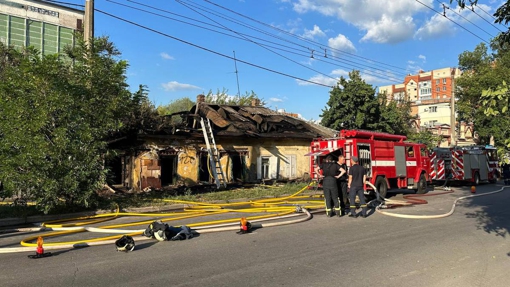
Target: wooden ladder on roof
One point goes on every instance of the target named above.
(214, 155)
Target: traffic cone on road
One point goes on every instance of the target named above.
(245, 226)
(39, 251)
(473, 189)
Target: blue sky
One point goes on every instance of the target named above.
(275, 39)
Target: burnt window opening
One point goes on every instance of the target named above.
(168, 165)
(238, 167)
(114, 175)
(204, 174)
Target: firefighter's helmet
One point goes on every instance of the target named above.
(125, 243)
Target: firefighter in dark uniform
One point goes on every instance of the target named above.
(356, 186)
(342, 185)
(330, 171)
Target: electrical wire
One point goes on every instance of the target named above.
(372, 74)
(494, 18)
(287, 58)
(65, 3)
(444, 15)
(302, 38)
(449, 8)
(244, 36)
(209, 50)
(295, 36)
(483, 18)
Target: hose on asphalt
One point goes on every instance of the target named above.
(452, 210)
(280, 208)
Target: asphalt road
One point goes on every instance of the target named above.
(469, 248)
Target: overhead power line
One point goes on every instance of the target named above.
(494, 18)
(483, 18)
(449, 8)
(317, 44)
(444, 15)
(381, 74)
(287, 58)
(209, 50)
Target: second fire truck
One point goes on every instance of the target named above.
(390, 161)
(473, 164)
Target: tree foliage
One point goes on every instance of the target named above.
(56, 113)
(223, 98)
(353, 104)
(480, 90)
(426, 137)
(395, 115)
(175, 106)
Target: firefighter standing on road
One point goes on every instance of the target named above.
(356, 185)
(342, 185)
(330, 171)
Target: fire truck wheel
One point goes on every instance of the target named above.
(422, 185)
(476, 179)
(382, 186)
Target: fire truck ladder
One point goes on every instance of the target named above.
(214, 155)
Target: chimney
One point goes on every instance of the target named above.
(200, 99)
(255, 102)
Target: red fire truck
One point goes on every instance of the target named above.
(389, 160)
(465, 164)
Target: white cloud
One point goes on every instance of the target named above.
(176, 86)
(413, 67)
(166, 56)
(339, 73)
(423, 58)
(311, 34)
(342, 43)
(437, 26)
(321, 79)
(370, 77)
(384, 21)
(275, 100)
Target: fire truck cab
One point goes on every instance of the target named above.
(390, 161)
(473, 164)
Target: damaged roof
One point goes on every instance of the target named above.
(258, 121)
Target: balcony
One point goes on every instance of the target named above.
(428, 100)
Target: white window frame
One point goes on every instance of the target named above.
(267, 169)
(288, 166)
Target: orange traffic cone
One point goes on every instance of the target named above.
(245, 226)
(39, 251)
(473, 189)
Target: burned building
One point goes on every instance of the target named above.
(254, 144)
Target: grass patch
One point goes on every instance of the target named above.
(155, 198)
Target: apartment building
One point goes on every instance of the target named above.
(46, 26)
(431, 95)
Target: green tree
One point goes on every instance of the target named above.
(352, 104)
(426, 137)
(395, 116)
(56, 113)
(223, 98)
(175, 106)
(477, 90)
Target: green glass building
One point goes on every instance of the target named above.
(46, 26)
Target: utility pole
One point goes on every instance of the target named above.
(237, 75)
(453, 134)
(88, 32)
